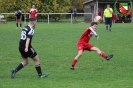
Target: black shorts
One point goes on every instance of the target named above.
(18, 17)
(31, 53)
(108, 20)
(74, 15)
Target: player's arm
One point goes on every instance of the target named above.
(104, 14)
(30, 14)
(20, 14)
(110, 10)
(96, 35)
(36, 13)
(27, 44)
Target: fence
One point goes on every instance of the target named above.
(49, 14)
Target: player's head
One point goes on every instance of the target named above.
(108, 6)
(32, 21)
(33, 6)
(94, 25)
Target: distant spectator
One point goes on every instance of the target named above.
(122, 19)
(74, 13)
(129, 15)
(33, 12)
(18, 15)
(114, 17)
(99, 12)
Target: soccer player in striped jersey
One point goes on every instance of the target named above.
(83, 44)
(18, 15)
(26, 50)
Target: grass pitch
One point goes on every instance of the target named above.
(56, 47)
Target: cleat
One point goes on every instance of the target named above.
(43, 75)
(109, 57)
(13, 73)
(72, 67)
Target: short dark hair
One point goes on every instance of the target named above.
(108, 4)
(32, 19)
(94, 23)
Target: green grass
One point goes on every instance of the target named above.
(56, 47)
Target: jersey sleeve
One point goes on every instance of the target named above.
(93, 31)
(20, 12)
(30, 33)
(104, 13)
(16, 13)
(111, 10)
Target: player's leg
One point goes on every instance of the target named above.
(38, 67)
(74, 18)
(101, 53)
(107, 57)
(36, 60)
(110, 24)
(106, 23)
(22, 64)
(17, 22)
(20, 20)
(19, 67)
(76, 59)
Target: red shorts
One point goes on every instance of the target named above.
(84, 46)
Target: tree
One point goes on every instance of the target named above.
(77, 4)
(43, 6)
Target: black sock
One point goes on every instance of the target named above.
(20, 24)
(106, 27)
(20, 66)
(38, 69)
(17, 24)
(110, 26)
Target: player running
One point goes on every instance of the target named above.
(33, 12)
(83, 44)
(26, 50)
(18, 15)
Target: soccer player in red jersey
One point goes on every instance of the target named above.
(83, 44)
(33, 12)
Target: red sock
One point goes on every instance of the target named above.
(74, 62)
(103, 55)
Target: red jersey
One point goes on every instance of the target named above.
(86, 36)
(99, 13)
(33, 13)
(114, 16)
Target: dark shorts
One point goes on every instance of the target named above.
(18, 17)
(31, 53)
(74, 15)
(108, 20)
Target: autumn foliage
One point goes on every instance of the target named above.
(43, 6)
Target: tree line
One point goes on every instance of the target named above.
(43, 6)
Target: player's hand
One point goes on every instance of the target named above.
(26, 50)
(97, 36)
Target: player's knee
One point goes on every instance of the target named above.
(97, 49)
(25, 63)
(79, 54)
